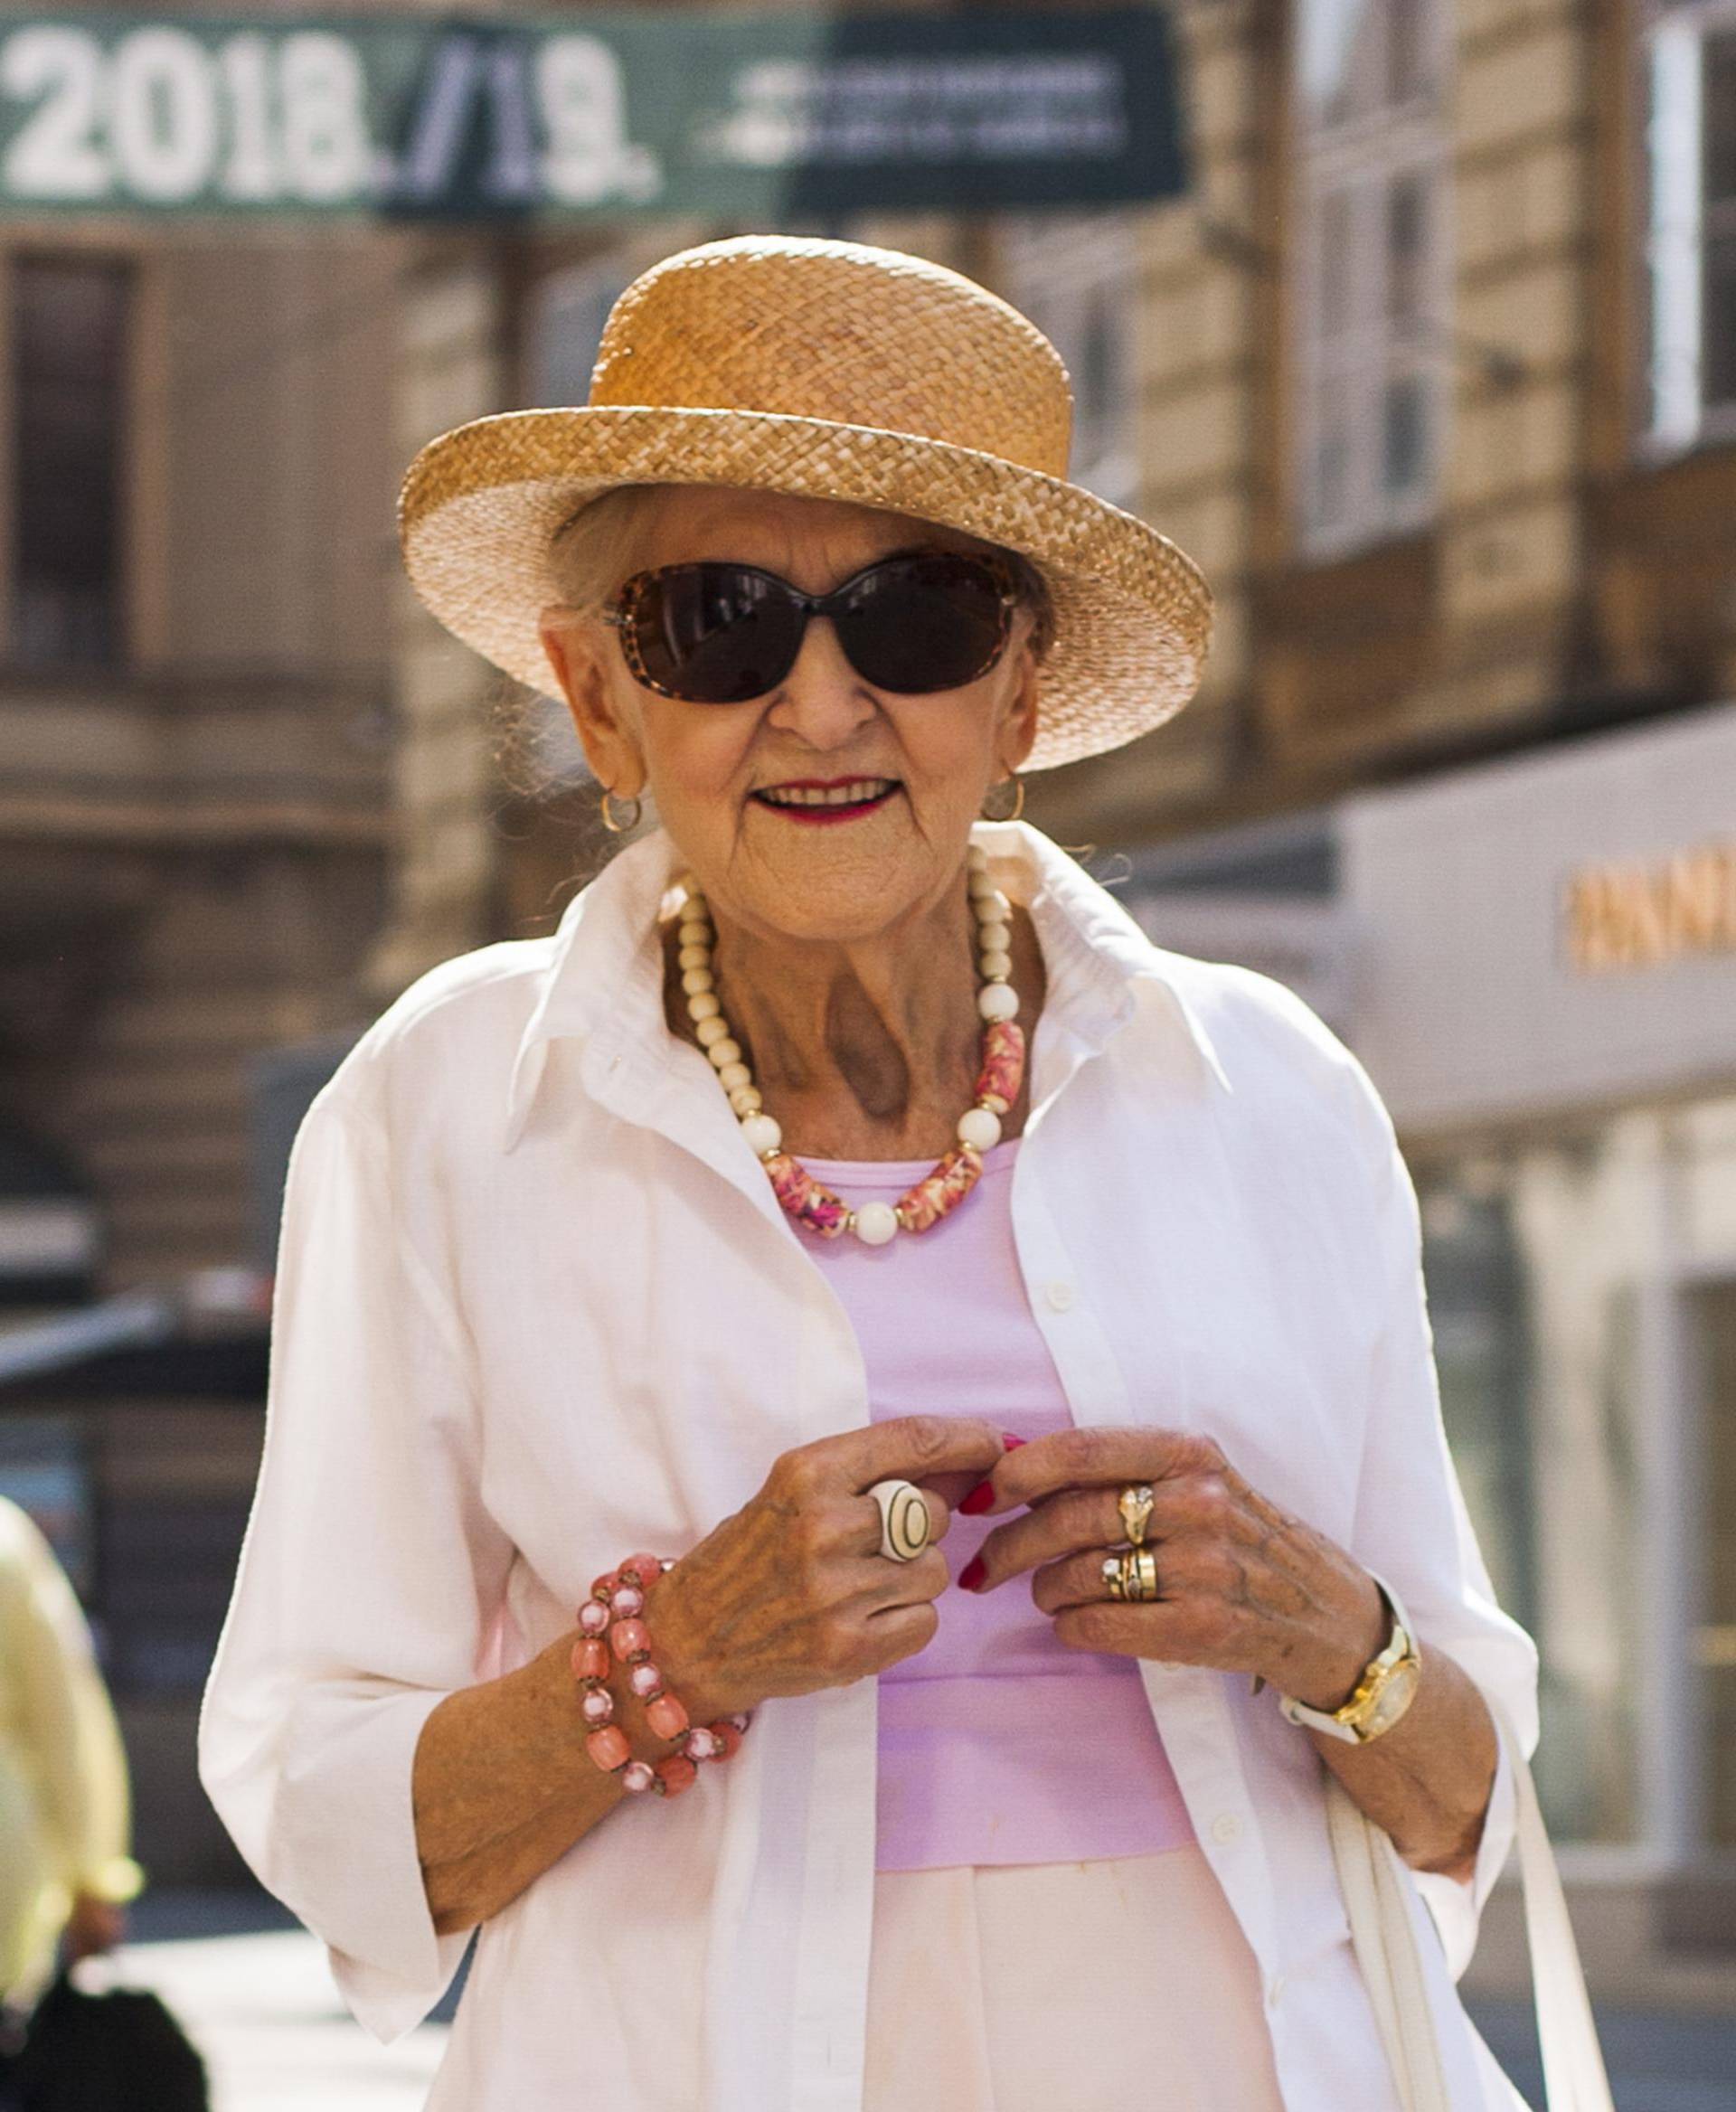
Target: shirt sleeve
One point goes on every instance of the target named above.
(68, 1738)
(1412, 1527)
(368, 1577)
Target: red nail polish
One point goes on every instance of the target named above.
(980, 1498)
(1010, 1441)
(971, 1576)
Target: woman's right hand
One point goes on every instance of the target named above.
(791, 1593)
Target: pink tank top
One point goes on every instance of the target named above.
(997, 1743)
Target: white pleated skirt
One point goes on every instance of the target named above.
(1035, 1987)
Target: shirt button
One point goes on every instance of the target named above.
(1274, 1989)
(1059, 1295)
(1226, 1827)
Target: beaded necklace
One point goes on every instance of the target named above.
(806, 1200)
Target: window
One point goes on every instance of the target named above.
(1690, 157)
(1370, 268)
(1074, 275)
(69, 329)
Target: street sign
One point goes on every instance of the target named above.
(750, 116)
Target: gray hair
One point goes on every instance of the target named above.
(595, 549)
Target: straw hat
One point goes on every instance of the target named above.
(827, 370)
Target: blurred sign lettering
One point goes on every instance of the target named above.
(749, 115)
(1633, 916)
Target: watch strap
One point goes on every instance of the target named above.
(1343, 1722)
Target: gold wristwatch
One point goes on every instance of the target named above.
(1385, 1691)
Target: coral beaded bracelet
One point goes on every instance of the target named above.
(612, 1611)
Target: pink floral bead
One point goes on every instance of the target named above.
(626, 1598)
(943, 1190)
(594, 1616)
(646, 1681)
(1003, 1071)
(597, 1706)
(803, 1197)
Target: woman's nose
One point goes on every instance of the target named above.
(822, 699)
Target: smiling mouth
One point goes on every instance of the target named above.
(840, 801)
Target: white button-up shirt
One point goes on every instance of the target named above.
(538, 1307)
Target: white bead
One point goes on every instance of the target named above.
(990, 909)
(995, 934)
(704, 1007)
(734, 1074)
(745, 1100)
(762, 1134)
(693, 956)
(695, 931)
(979, 883)
(979, 1130)
(715, 1029)
(997, 1001)
(994, 963)
(876, 1222)
(688, 882)
(727, 1050)
(976, 858)
(993, 1103)
(695, 980)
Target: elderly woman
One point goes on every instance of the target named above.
(847, 1175)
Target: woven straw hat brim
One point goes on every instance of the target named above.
(480, 504)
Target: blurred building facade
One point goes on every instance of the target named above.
(195, 733)
(1433, 377)
(1430, 371)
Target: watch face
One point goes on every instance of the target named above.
(1395, 1694)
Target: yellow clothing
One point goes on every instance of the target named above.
(65, 1797)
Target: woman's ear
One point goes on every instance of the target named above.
(610, 745)
(1019, 729)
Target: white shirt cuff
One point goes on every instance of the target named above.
(1457, 1903)
(349, 1863)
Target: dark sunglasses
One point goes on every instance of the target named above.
(715, 633)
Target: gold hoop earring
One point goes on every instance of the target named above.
(1018, 805)
(618, 828)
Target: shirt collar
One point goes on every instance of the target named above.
(603, 982)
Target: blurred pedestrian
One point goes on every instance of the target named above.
(65, 1800)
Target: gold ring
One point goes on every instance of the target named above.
(1134, 1504)
(1132, 1574)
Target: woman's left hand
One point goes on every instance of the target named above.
(1243, 1585)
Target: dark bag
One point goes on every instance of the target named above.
(117, 2051)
